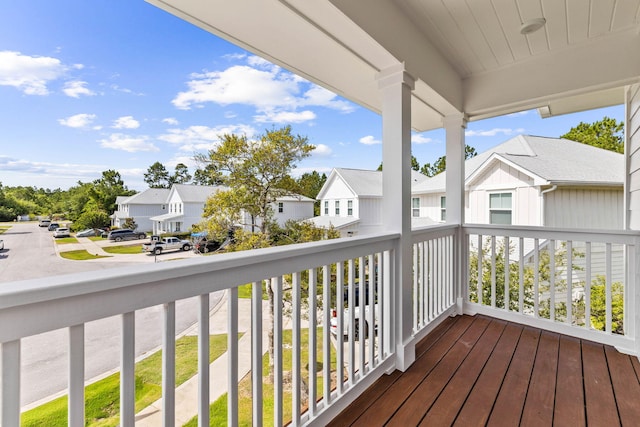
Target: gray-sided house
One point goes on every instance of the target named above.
(141, 207)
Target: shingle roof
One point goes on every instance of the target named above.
(369, 183)
(150, 196)
(556, 160)
(195, 193)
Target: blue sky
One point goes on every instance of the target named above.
(87, 86)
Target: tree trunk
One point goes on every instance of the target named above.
(270, 332)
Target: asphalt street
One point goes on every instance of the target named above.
(30, 253)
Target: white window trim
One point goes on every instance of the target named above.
(489, 209)
(415, 210)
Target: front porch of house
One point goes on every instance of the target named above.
(477, 371)
(522, 311)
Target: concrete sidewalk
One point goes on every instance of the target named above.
(187, 394)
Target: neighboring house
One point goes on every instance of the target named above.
(292, 207)
(177, 209)
(531, 180)
(351, 201)
(185, 205)
(141, 207)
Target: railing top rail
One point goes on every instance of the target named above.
(433, 232)
(281, 260)
(594, 236)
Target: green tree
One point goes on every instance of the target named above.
(254, 171)
(440, 165)
(157, 176)
(106, 189)
(606, 133)
(207, 175)
(91, 219)
(257, 168)
(181, 175)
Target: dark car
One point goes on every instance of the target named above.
(125, 234)
(205, 245)
(53, 226)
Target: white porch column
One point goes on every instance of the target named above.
(454, 126)
(396, 85)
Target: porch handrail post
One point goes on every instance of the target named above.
(395, 86)
(455, 126)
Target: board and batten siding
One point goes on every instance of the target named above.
(502, 178)
(632, 153)
(580, 208)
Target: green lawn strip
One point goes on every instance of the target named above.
(3, 228)
(96, 238)
(65, 240)
(123, 249)
(218, 409)
(80, 255)
(244, 291)
(102, 398)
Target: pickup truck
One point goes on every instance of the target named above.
(166, 244)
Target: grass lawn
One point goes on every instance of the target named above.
(80, 255)
(65, 240)
(218, 409)
(124, 249)
(244, 291)
(102, 404)
(4, 228)
(95, 238)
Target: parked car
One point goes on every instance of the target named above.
(61, 232)
(346, 316)
(90, 232)
(53, 226)
(206, 246)
(1, 245)
(125, 234)
(44, 222)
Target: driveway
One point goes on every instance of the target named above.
(30, 253)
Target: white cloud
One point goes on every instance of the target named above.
(126, 122)
(420, 139)
(170, 121)
(131, 144)
(369, 140)
(494, 132)
(322, 150)
(59, 170)
(76, 88)
(276, 94)
(78, 121)
(29, 74)
(198, 138)
(285, 117)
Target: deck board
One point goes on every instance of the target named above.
(478, 371)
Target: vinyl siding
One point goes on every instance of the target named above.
(632, 131)
(580, 208)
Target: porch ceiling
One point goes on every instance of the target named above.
(466, 55)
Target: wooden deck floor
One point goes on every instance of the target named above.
(476, 371)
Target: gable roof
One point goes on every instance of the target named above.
(364, 183)
(195, 193)
(553, 160)
(150, 196)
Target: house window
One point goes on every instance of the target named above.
(178, 226)
(326, 207)
(337, 207)
(500, 208)
(350, 207)
(280, 207)
(443, 208)
(180, 205)
(415, 207)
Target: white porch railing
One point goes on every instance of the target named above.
(529, 283)
(573, 282)
(308, 280)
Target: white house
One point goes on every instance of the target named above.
(177, 209)
(539, 181)
(141, 207)
(351, 200)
